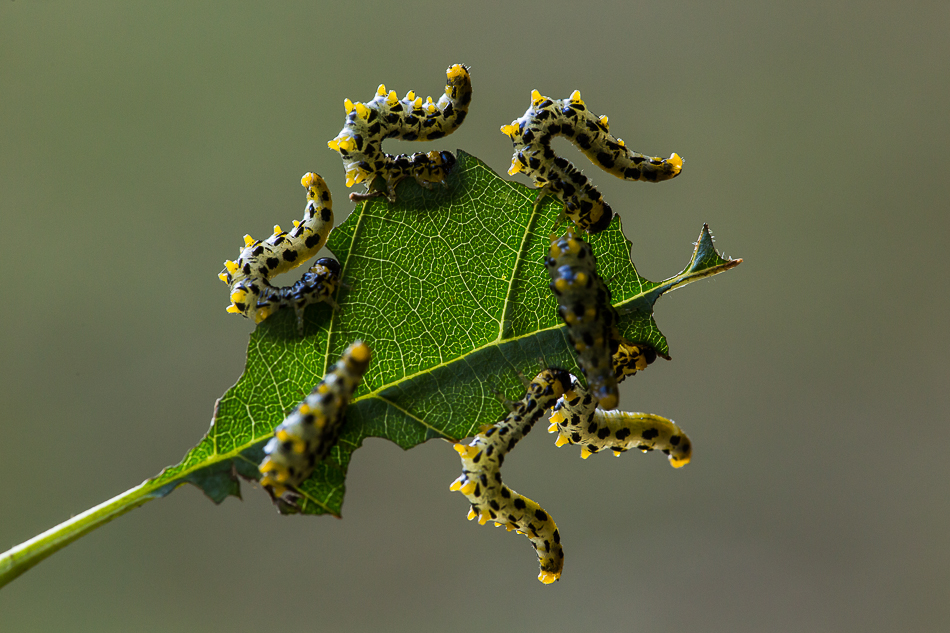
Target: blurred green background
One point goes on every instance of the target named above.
(140, 141)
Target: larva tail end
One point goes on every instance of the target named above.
(548, 578)
(677, 162)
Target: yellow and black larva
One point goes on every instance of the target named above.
(481, 481)
(252, 294)
(531, 136)
(409, 119)
(305, 436)
(577, 419)
(584, 303)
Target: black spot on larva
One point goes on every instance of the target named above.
(649, 434)
(506, 492)
(312, 241)
(326, 214)
(494, 505)
(290, 256)
(272, 262)
(606, 160)
(603, 433)
(519, 503)
(622, 434)
(675, 440)
(540, 515)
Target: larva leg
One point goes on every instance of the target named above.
(481, 480)
(546, 118)
(409, 119)
(252, 294)
(305, 436)
(584, 304)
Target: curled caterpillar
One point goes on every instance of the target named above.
(306, 435)
(577, 419)
(531, 136)
(584, 305)
(409, 119)
(630, 358)
(252, 294)
(481, 481)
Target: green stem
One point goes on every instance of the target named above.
(20, 558)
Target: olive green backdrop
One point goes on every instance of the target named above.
(140, 141)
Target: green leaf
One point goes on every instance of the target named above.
(449, 289)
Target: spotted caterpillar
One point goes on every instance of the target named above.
(531, 136)
(584, 305)
(252, 294)
(578, 420)
(409, 119)
(306, 435)
(481, 481)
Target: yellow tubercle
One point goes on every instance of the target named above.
(455, 71)
(552, 428)
(248, 240)
(417, 104)
(238, 296)
(277, 230)
(267, 466)
(483, 518)
(562, 284)
(282, 435)
(304, 409)
(605, 122)
(411, 96)
(536, 97)
(456, 485)
(381, 91)
(361, 352)
(585, 453)
(515, 167)
(471, 514)
(621, 143)
(576, 97)
(391, 98)
(459, 448)
(231, 266)
(510, 130)
(362, 111)
(617, 453)
(561, 441)
(348, 105)
(261, 314)
(223, 277)
(468, 488)
(233, 309)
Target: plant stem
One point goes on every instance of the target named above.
(22, 557)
